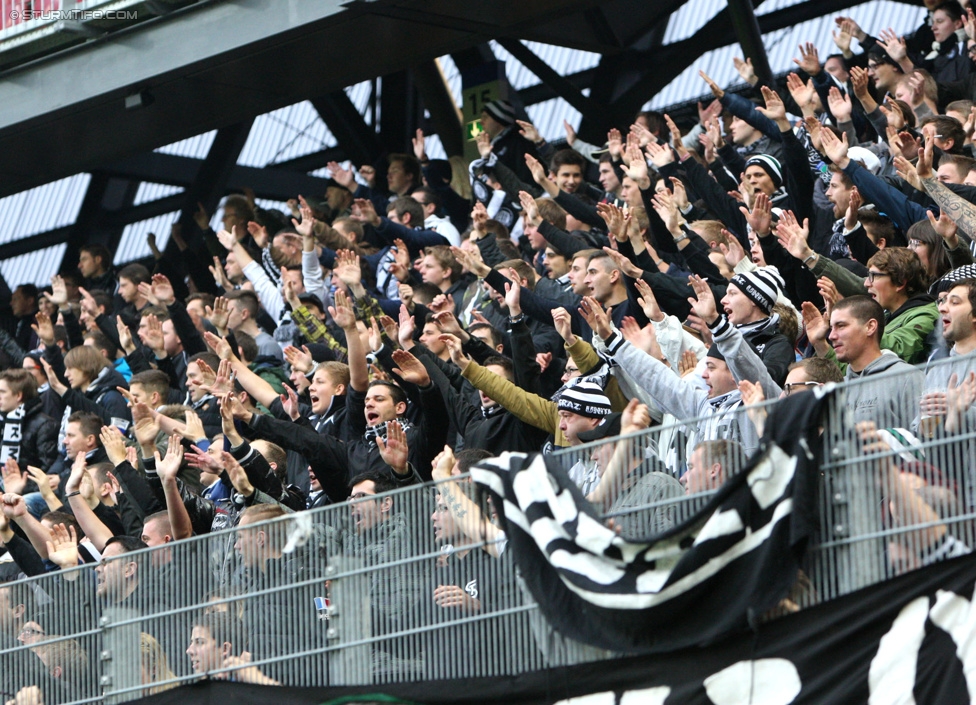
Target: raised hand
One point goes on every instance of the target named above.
(859, 81)
(570, 133)
(661, 155)
(483, 144)
(816, 326)
(775, 110)
(687, 363)
(733, 251)
(169, 467)
(802, 91)
(192, 429)
(471, 261)
(703, 303)
(615, 143)
(238, 476)
(753, 398)
(614, 217)
(442, 303)
(419, 149)
(343, 314)
(814, 129)
(347, 268)
(946, 227)
(528, 131)
(959, 398)
(457, 354)
(761, 216)
(145, 428)
(201, 217)
(203, 461)
(894, 115)
(114, 444)
(62, 547)
(227, 239)
(679, 146)
(443, 464)
(364, 211)
(538, 172)
(809, 59)
(715, 88)
(667, 210)
(513, 294)
(56, 385)
(289, 402)
(408, 326)
(895, 46)
(648, 302)
(644, 338)
(125, 336)
(594, 315)
(162, 289)
(59, 291)
(88, 304)
(745, 70)
(564, 324)
(410, 368)
(343, 177)
(299, 359)
(793, 236)
(843, 38)
(393, 449)
(14, 481)
(305, 227)
(906, 171)
(840, 105)
(828, 290)
(626, 266)
(44, 328)
(835, 149)
(152, 337)
(924, 166)
(220, 275)
(850, 217)
(679, 195)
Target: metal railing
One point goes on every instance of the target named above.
(416, 584)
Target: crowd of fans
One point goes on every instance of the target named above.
(394, 333)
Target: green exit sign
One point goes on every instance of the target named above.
(473, 129)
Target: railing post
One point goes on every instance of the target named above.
(349, 622)
(854, 509)
(121, 663)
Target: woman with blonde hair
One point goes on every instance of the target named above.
(155, 665)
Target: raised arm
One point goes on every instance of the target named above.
(344, 315)
(81, 498)
(961, 211)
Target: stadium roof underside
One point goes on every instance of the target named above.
(263, 94)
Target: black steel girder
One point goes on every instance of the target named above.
(669, 61)
(358, 140)
(590, 109)
(210, 183)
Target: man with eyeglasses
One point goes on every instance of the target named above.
(896, 280)
(809, 373)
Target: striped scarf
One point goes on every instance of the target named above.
(12, 436)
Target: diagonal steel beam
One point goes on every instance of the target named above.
(358, 139)
(564, 87)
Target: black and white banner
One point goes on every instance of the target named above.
(906, 641)
(701, 580)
